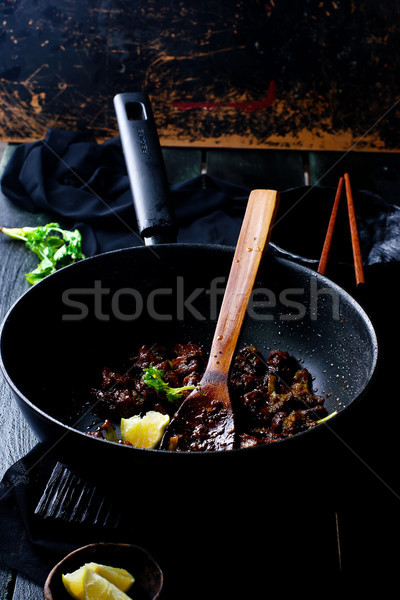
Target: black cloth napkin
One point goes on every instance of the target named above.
(23, 546)
(33, 539)
(84, 184)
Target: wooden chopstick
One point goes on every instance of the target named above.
(329, 233)
(355, 242)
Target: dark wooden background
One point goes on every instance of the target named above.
(315, 74)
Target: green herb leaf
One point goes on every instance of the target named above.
(153, 378)
(54, 246)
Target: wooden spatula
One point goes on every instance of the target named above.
(205, 420)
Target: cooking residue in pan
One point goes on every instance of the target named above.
(272, 397)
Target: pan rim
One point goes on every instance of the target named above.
(208, 248)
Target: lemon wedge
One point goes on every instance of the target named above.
(73, 582)
(95, 587)
(146, 431)
(119, 577)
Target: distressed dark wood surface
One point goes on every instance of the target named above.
(16, 436)
(318, 75)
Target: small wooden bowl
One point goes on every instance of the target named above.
(148, 575)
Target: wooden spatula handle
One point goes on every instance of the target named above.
(253, 239)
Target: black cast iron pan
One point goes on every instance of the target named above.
(99, 310)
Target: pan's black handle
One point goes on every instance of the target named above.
(146, 169)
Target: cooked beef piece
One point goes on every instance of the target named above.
(295, 422)
(192, 379)
(241, 384)
(172, 378)
(248, 441)
(317, 412)
(111, 378)
(272, 399)
(301, 387)
(260, 406)
(117, 403)
(258, 438)
(184, 365)
(283, 365)
(97, 434)
(122, 395)
(147, 357)
(148, 394)
(263, 401)
(277, 421)
(193, 350)
(254, 407)
(164, 365)
(189, 359)
(248, 370)
(301, 420)
(161, 408)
